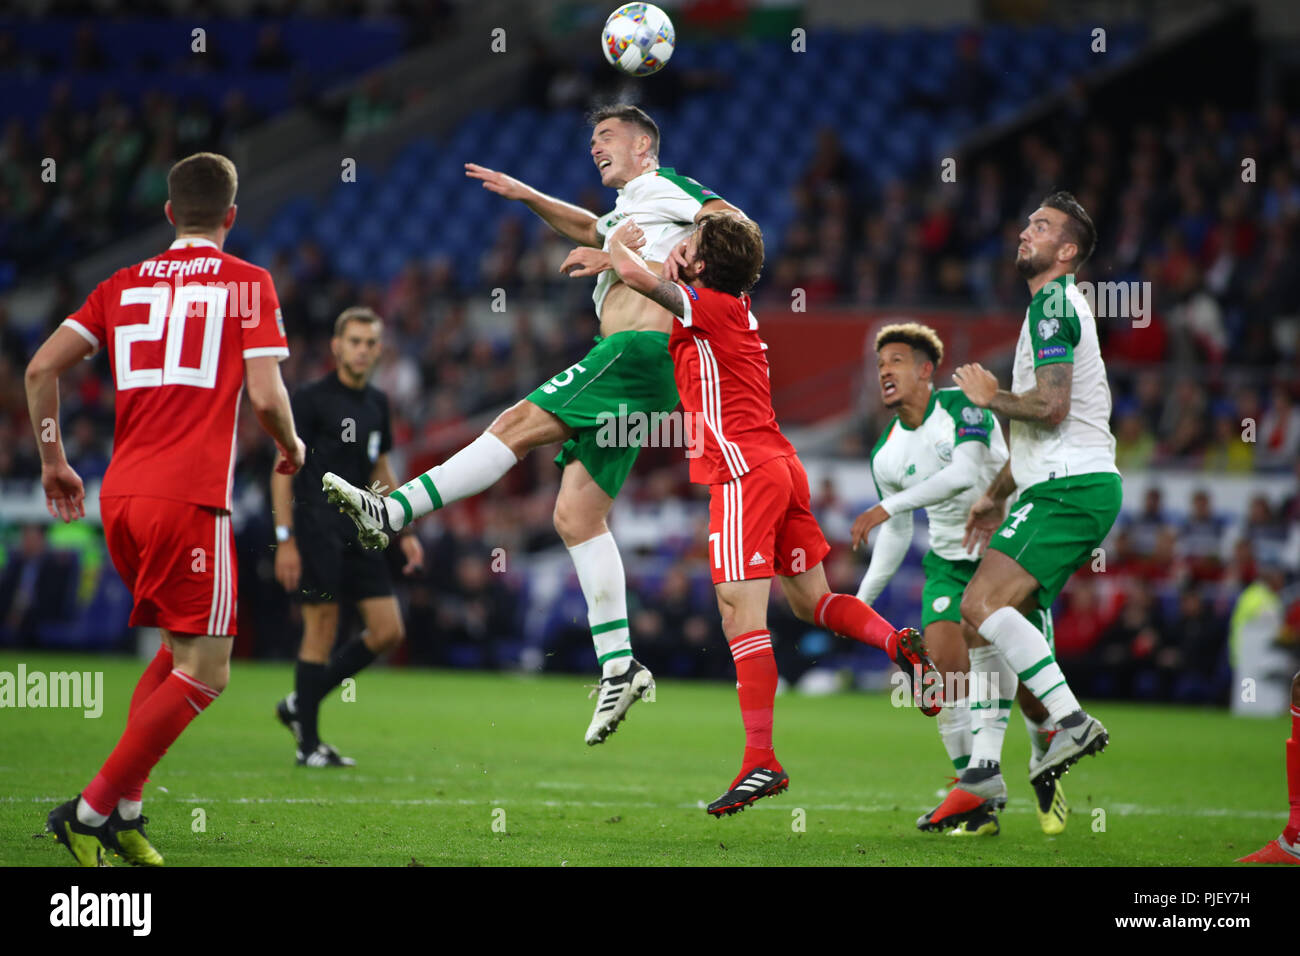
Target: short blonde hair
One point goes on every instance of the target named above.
(356, 313)
(916, 336)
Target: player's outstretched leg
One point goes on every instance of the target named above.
(474, 468)
(812, 600)
(1286, 848)
(581, 508)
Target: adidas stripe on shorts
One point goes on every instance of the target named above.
(762, 524)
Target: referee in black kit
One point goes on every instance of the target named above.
(344, 423)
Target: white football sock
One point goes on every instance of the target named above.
(954, 730)
(1042, 619)
(1025, 649)
(992, 689)
(600, 573)
(129, 809)
(87, 815)
(477, 466)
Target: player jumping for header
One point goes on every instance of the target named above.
(628, 372)
(1063, 465)
(760, 522)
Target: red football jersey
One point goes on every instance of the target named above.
(178, 328)
(722, 377)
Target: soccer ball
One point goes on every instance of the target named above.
(638, 39)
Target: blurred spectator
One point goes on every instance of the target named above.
(1189, 667)
(1083, 619)
(1145, 526)
(1259, 526)
(1200, 537)
(1228, 451)
(36, 587)
(1279, 433)
(369, 108)
(1134, 446)
(1131, 644)
(834, 514)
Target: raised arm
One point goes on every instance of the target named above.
(572, 222)
(1047, 403)
(65, 497)
(634, 272)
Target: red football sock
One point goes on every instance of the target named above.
(150, 731)
(152, 678)
(1292, 831)
(756, 678)
(150, 681)
(845, 614)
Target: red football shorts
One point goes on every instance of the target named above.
(178, 561)
(761, 524)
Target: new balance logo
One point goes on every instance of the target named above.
(756, 560)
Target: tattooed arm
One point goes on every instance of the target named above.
(1047, 403)
(634, 272)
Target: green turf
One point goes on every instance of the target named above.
(439, 754)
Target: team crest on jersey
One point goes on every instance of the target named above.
(940, 604)
(1048, 328)
(944, 450)
(972, 415)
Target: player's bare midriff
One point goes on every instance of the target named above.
(625, 310)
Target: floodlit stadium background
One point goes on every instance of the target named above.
(836, 148)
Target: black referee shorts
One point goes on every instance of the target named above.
(335, 567)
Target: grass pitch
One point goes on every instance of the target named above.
(490, 769)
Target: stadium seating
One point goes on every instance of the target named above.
(750, 142)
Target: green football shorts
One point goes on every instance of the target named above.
(627, 375)
(1056, 526)
(945, 581)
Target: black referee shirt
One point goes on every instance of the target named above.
(345, 431)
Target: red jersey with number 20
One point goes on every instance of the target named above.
(720, 364)
(178, 328)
